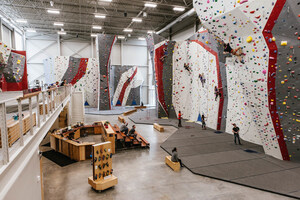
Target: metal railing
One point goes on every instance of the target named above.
(13, 130)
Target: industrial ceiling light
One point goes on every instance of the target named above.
(101, 16)
(121, 37)
(93, 35)
(150, 5)
(61, 32)
(129, 35)
(142, 38)
(51, 3)
(58, 24)
(127, 30)
(31, 31)
(21, 20)
(137, 20)
(107, 0)
(97, 27)
(180, 9)
(145, 14)
(149, 32)
(51, 11)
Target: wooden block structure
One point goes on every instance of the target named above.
(121, 119)
(102, 167)
(129, 112)
(63, 118)
(46, 107)
(13, 128)
(174, 165)
(158, 127)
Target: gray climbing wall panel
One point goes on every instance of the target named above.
(14, 70)
(105, 43)
(287, 75)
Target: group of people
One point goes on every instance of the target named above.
(131, 132)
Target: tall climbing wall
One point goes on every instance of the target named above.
(61, 64)
(76, 70)
(104, 46)
(191, 95)
(249, 24)
(49, 70)
(163, 62)
(287, 37)
(4, 53)
(14, 72)
(127, 83)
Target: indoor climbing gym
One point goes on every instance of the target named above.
(149, 99)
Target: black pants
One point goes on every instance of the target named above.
(179, 160)
(125, 131)
(236, 135)
(179, 123)
(203, 125)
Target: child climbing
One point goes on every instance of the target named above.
(179, 119)
(203, 122)
(187, 67)
(165, 54)
(202, 79)
(217, 93)
(236, 52)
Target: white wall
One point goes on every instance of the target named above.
(28, 185)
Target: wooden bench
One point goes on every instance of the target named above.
(129, 112)
(158, 127)
(140, 107)
(174, 165)
(121, 119)
(144, 142)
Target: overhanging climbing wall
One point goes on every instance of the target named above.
(4, 53)
(14, 72)
(249, 24)
(163, 60)
(127, 85)
(76, 70)
(104, 46)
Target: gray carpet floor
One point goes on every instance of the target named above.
(207, 153)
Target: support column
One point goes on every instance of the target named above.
(31, 116)
(20, 122)
(4, 136)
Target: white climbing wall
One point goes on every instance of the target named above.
(189, 96)
(136, 82)
(49, 72)
(61, 64)
(241, 20)
(4, 53)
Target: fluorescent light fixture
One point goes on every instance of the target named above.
(142, 38)
(150, 5)
(107, 0)
(137, 20)
(21, 20)
(58, 24)
(51, 11)
(127, 30)
(180, 9)
(94, 35)
(97, 27)
(149, 32)
(31, 31)
(100, 16)
(61, 32)
(121, 37)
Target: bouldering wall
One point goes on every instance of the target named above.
(61, 64)
(287, 39)
(14, 72)
(163, 62)
(104, 46)
(192, 95)
(127, 83)
(49, 72)
(76, 70)
(249, 24)
(4, 53)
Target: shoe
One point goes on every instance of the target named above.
(242, 62)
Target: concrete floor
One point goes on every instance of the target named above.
(142, 174)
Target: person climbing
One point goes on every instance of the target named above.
(165, 54)
(203, 122)
(236, 131)
(236, 52)
(187, 67)
(124, 128)
(174, 157)
(217, 93)
(179, 119)
(202, 79)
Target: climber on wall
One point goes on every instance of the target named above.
(236, 52)
(217, 93)
(202, 79)
(187, 67)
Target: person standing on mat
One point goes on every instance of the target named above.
(236, 131)
(174, 157)
(179, 119)
(203, 122)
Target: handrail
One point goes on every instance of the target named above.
(29, 95)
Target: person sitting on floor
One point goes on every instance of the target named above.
(124, 128)
(132, 132)
(174, 157)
